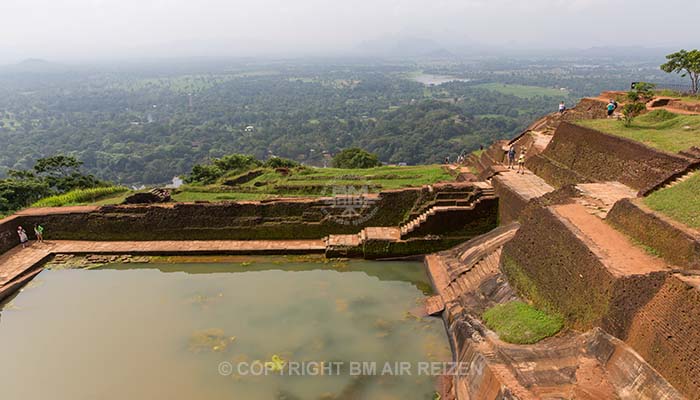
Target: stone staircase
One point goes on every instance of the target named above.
(474, 267)
(680, 179)
(351, 244)
(462, 202)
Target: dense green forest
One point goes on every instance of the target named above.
(144, 126)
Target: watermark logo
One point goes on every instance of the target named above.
(341, 368)
(350, 204)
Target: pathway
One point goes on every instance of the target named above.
(599, 198)
(529, 186)
(614, 249)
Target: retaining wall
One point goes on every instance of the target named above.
(510, 202)
(665, 333)
(8, 233)
(676, 243)
(655, 313)
(596, 156)
(271, 220)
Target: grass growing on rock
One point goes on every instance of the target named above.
(521, 323)
(313, 182)
(680, 202)
(79, 196)
(659, 129)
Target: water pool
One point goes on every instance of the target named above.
(197, 331)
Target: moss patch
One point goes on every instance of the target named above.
(520, 323)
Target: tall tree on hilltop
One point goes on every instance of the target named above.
(687, 63)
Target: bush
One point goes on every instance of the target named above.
(643, 91)
(630, 111)
(355, 158)
(277, 162)
(209, 173)
(520, 323)
(204, 174)
(79, 196)
(234, 162)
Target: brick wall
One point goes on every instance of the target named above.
(665, 332)
(597, 156)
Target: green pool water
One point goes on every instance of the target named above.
(198, 331)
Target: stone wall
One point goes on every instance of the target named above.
(596, 156)
(284, 219)
(274, 220)
(8, 233)
(654, 312)
(549, 265)
(665, 333)
(510, 203)
(676, 243)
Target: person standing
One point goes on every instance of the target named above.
(39, 232)
(521, 163)
(562, 107)
(611, 108)
(23, 238)
(511, 157)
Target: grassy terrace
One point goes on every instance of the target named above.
(659, 129)
(304, 182)
(680, 202)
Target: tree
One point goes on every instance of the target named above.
(62, 173)
(643, 91)
(57, 166)
(355, 158)
(18, 193)
(686, 63)
(278, 162)
(630, 111)
(204, 173)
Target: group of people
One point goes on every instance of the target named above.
(521, 159)
(24, 238)
(461, 158)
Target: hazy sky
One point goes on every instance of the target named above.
(85, 29)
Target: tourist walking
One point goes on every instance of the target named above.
(521, 163)
(39, 232)
(23, 238)
(511, 157)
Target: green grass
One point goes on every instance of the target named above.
(523, 91)
(520, 323)
(313, 182)
(305, 182)
(680, 202)
(658, 129)
(79, 196)
(190, 196)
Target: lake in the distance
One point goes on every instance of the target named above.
(430, 79)
(162, 331)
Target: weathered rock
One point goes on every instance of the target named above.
(152, 196)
